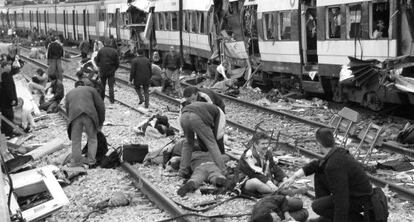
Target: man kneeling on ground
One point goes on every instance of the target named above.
(204, 170)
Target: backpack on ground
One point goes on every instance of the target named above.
(102, 147)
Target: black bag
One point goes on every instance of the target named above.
(134, 153)
(112, 160)
(379, 211)
(102, 147)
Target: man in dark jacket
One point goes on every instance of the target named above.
(84, 48)
(108, 62)
(86, 111)
(342, 188)
(192, 93)
(112, 42)
(54, 59)
(141, 76)
(171, 65)
(8, 98)
(54, 94)
(206, 120)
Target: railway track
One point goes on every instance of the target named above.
(141, 182)
(406, 193)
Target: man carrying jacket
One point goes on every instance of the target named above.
(108, 62)
(140, 76)
(207, 122)
(342, 188)
(54, 59)
(86, 111)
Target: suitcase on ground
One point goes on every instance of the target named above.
(134, 153)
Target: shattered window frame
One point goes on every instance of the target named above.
(373, 11)
(283, 34)
(266, 28)
(329, 16)
(352, 17)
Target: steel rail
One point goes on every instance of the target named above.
(386, 146)
(405, 193)
(140, 181)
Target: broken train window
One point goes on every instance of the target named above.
(269, 26)
(353, 22)
(285, 25)
(334, 22)
(167, 21)
(379, 20)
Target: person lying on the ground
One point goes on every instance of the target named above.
(22, 117)
(279, 207)
(204, 170)
(258, 165)
(54, 94)
(192, 94)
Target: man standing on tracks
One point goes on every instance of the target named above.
(108, 62)
(86, 111)
(8, 99)
(342, 188)
(84, 48)
(172, 68)
(141, 76)
(54, 58)
(207, 122)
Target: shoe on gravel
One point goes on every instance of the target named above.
(186, 188)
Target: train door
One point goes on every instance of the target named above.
(117, 23)
(15, 19)
(65, 20)
(37, 21)
(85, 23)
(74, 24)
(45, 20)
(308, 30)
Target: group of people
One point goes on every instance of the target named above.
(343, 191)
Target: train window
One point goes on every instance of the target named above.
(162, 21)
(102, 14)
(285, 25)
(201, 18)
(269, 26)
(379, 21)
(334, 22)
(194, 22)
(111, 20)
(167, 21)
(187, 21)
(353, 22)
(174, 20)
(125, 18)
